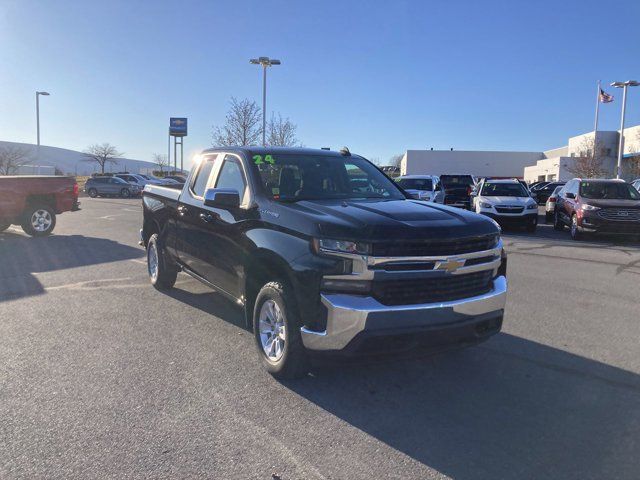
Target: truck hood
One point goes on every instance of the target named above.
(383, 220)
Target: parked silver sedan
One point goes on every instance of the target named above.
(422, 187)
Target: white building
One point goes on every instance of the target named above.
(546, 165)
(480, 164)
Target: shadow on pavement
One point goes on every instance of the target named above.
(511, 408)
(21, 256)
(210, 302)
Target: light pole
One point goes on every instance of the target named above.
(38, 113)
(265, 62)
(623, 85)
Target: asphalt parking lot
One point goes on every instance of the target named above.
(101, 376)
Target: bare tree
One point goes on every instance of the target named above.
(396, 160)
(281, 132)
(632, 164)
(242, 125)
(588, 165)
(161, 160)
(102, 154)
(12, 158)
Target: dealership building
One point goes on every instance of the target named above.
(552, 164)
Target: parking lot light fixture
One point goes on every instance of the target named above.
(38, 114)
(624, 86)
(265, 62)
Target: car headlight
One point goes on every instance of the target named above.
(532, 206)
(485, 205)
(586, 206)
(341, 246)
(424, 196)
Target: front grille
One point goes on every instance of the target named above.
(509, 209)
(434, 248)
(620, 214)
(431, 290)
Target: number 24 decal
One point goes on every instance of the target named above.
(258, 160)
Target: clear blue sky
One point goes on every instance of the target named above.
(379, 77)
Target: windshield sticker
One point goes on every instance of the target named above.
(258, 160)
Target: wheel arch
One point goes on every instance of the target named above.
(263, 266)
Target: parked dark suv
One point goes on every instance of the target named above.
(543, 194)
(598, 206)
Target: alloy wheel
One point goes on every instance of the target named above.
(272, 330)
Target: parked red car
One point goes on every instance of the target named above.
(34, 201)
(598, 206)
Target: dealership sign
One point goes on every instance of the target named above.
(178, 127)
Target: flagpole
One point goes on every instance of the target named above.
(595, 128)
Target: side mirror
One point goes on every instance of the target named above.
(221, 198)
(570, 195)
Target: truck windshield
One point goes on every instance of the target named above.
(416, 183)
(503, 190)
(608, 190)
(291, 177)
(457, 180)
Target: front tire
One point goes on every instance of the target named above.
(162, 272)
(125, 193)
(576, 234)
(93, 193)
(38, 221)
(277, 332)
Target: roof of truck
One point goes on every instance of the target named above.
(257, 150)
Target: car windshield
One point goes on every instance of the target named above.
(416, 183)
(291, 177)
(608, 190)
(457, 180)
(503, 190)
(118, 180)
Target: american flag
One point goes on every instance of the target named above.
(605, 97)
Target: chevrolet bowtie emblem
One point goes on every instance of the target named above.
(450, 265)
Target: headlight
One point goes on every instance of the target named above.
(341, 246)
(485, 205)
(586, 206)
(532, 206)
(424, 196)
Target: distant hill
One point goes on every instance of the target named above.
(48, 158)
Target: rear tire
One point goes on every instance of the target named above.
(277, 332)
(38, 220)
(557, 223)
(162, 272)
(93, 193)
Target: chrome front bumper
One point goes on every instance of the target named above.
(349, 315)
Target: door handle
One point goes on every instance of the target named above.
(206, 217)
(182, 210)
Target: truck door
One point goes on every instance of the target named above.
(224, 257)
(191, 231)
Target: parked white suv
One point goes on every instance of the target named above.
(422, 187)
(506, 201)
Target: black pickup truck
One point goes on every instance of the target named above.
(325, 254)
